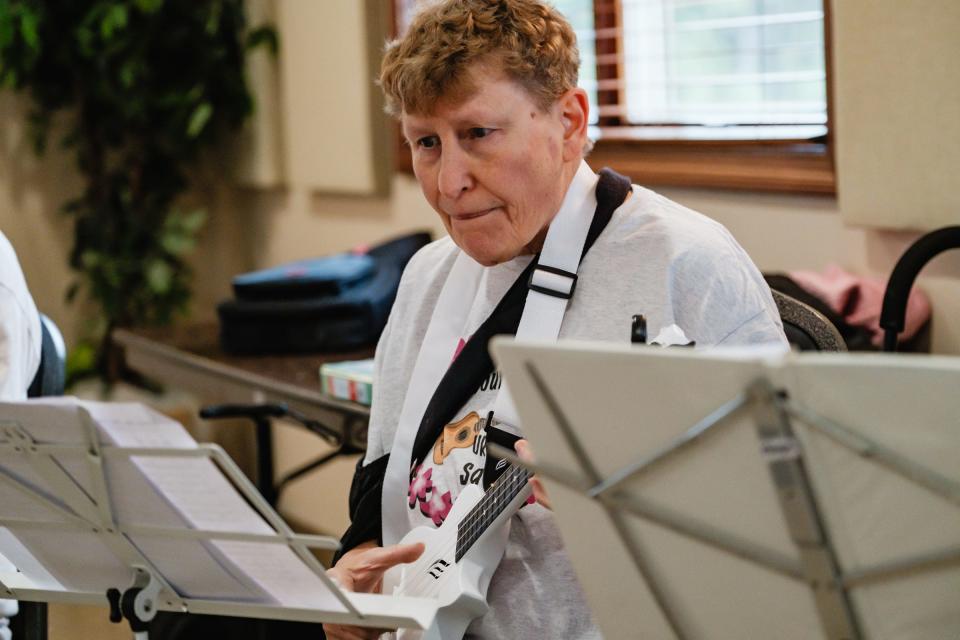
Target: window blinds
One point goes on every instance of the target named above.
(713, 63)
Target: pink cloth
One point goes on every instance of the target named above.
(859, 299)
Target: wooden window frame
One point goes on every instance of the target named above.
(772, 165)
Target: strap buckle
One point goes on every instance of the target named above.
(552, 281)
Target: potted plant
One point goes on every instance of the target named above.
(147, 85)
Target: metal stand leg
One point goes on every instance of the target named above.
(265, 461)
(261, 414)
(818, 560)
(31, 622)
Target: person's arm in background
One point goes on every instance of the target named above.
(20, 335)
(20, 341)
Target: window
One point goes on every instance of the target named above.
(710, 93)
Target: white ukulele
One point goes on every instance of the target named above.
(460, 556)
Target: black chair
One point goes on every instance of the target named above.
(806, 328)
(51, 375)
(31, 622)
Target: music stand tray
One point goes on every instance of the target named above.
(114, 497)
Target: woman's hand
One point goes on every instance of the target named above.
(361, 569)
(523, 450)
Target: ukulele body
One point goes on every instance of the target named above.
(460, 586)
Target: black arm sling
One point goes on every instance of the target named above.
(463, 378)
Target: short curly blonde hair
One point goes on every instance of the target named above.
(530, 41)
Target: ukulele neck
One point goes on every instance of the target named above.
(492, 507)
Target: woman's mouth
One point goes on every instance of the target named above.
(471, 215)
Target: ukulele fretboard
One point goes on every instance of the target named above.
(494, 501)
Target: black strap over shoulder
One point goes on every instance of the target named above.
(465, 376)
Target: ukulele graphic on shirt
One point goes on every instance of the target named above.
(457, 435)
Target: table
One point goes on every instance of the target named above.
(190, 357)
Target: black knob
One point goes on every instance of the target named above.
(638, 330)
(113, 597)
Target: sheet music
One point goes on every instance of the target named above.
(16, 555)
(128, 424)
(277, 569)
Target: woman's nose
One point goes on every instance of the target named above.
(455, 173)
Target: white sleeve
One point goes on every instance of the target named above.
(20, 337)
(376, 446)
(720, 294)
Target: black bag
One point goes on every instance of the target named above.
(330, 304)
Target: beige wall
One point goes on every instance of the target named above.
(31, 191)
(898, 111)
(299, 216)
(296, 217)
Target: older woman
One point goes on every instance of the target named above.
(486, 93)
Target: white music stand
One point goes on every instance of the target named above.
(96, 497)
(750, 494)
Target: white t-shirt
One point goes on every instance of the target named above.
(20, 336)
(19, 356)
(654, 258)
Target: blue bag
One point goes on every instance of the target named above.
(317, 277)
(337, 303)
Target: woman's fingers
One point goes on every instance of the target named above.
(383, 558)
(362, 570)
(523, 450)
(522, 447)
(540, 493)
(367, 569)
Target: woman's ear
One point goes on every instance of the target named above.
(574, 113)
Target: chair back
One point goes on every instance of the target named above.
(806, 328)
(894, 311)
(51, 374)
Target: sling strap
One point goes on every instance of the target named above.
(464, 377)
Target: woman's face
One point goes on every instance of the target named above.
(494, 166)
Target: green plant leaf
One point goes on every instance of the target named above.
(85, 41)
(159, 276)
(90, 259)
(213, 18)
(199, 118)
(148, 6)
(193, 221)
(263, 36)
(81, 360)
(114, 20)
(128, 73)
(29, 22)
(6, 25)
(177, 244)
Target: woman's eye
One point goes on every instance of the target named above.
(479, 132)
(428, 142)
